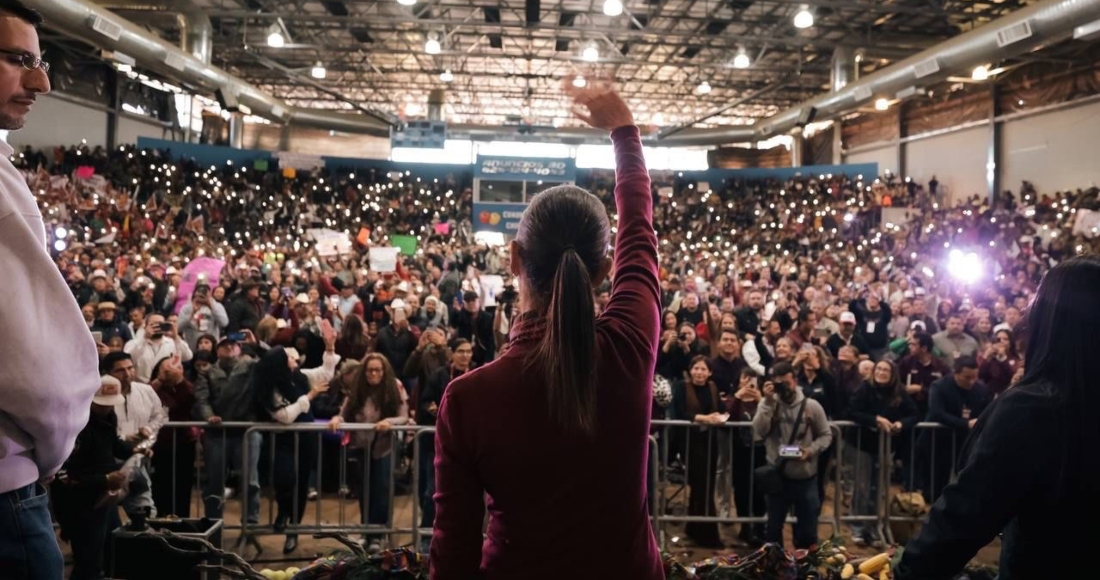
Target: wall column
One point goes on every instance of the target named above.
(993, 167)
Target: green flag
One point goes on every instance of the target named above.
(260, 164)
(406, 243)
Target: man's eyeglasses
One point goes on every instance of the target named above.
(26, 59)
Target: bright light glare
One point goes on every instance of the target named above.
(612, 7)
(591, 53)
(406, 2)
(980, 73)
(61, 233)
(741, 60)
(59, 245)
(882, 104)
(432, 46)
(318, 71)
(579, 82)
(804, 19)
(967, 268)
(703, 88)
(446, 76)
(848, 217)
(276, 40)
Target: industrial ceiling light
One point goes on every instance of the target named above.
(658, 118)
(318, 71)
(579, 82)
(406, 2)
(741, 60)
(980, 73)
(591, 52)
(446, 76)
(432, 46)
(612, 7)
(804, 18)
(275, 36)
(703, 88)
(882, 104)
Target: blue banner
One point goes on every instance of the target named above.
(205, 155)
(498, 217)
(521, 169)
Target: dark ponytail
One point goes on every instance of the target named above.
(563, 240)
(569, 346)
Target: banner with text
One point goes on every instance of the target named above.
(498, 217)
(521, 169)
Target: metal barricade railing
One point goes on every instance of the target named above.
(860, 476)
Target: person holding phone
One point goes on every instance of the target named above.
(160, 340)
(557, 429)
(202, 315)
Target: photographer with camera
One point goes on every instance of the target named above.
(160, 340)
(202, 315)
(795, 431)
(678, 348)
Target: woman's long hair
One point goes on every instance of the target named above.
(691, 400)
(386, 396)
(352, 332)
(563, 239)
(1062, 330)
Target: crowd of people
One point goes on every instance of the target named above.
(767, 285)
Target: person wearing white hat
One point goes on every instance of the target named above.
(43, 404)
(89, 477)
(846, 336)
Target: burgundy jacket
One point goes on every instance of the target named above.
(559, 506)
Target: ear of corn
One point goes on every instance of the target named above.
(874, 564)
(864, 577)
(884, 574)
(847, 572)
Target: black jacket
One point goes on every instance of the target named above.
(479, 331)
(869, 402)
(396, 347)
(95, 454)
(1023, 476)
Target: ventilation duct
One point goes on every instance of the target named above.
(1017, 33)
(99, 27)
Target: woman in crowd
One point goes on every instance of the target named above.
(571, 437)
(1031, 469)
(882, 409)
(1000, 364)
(678, 350)
(747, 456)
(352, 343)
(173, 462)
(374, 396)
(696, 399)
(284, 392)
(811, 365)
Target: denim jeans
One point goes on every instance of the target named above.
(28, 549)
(865, 500)
(802, 495)
(223, 450)
(374, 491)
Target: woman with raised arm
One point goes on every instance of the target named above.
(552, 438)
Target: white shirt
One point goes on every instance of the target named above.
(43, 404)
(147, 353)
(142, 408)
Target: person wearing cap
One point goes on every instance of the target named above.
(224, 393)
(396, 341)
(110, 324)
(202, 315)
(476, 326)
(246, 310)
(85, 491)
(434, 312)
(847, 336)
(103, 289)
(347, 302)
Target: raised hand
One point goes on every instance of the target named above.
(605, 109)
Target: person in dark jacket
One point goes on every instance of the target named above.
(696, 399)
(173, 475)
(431, 396)
(872, 323)
(396, 340)
(955, 402)
(476, 326)
(1031, 471)
(88, 486)
(882, 409)
(247, 309)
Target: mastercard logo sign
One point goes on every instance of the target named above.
(491, 218)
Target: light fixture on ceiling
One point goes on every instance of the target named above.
(432, 46)
(882, 104)
(406, 2)
(318, 71)
(123, 67)
(275, 37)
(742, 59)
(658, 119)
(703, 88)
(579, 82)
(804, 18)
(980, 73)
(591, 52)
(446, 76)
(612, 7)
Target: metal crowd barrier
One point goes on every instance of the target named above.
(859, 477)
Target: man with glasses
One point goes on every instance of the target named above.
(43, 405)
